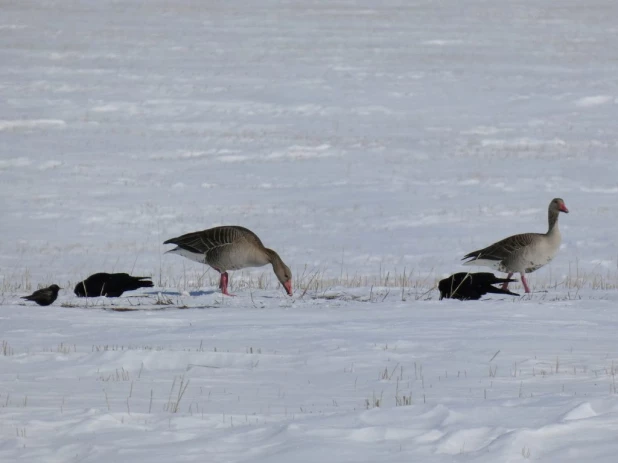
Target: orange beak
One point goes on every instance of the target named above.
(288, 287)
(563, 208)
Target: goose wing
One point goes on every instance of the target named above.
(505, 248)
(206, 241)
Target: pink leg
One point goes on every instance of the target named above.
(223, 284)
(523, 280)
(506, 284)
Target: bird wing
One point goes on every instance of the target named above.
(503, 248)
(203, 242)
(41, 292)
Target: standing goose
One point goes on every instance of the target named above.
(230, 248)
(523, 253)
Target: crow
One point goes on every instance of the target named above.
(471, 286)
(110, 284)
(45, 296)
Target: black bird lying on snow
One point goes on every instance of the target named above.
(45, 296)
(110, 284)
(471, 286)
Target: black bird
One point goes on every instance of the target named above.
(110, 284)
(471, 286)
(45, 296)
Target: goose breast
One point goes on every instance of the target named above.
(541, 250)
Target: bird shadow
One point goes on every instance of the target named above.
(156, 309)
(271, 297)
(178, 293)
(201, 293)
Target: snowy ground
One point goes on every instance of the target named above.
(372, 144)
(299, 381)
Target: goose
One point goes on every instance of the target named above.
(471, 286)
(523, 253)
(45, 296)
(110, 284)
(230, 247)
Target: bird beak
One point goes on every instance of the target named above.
(288, 287)
(563, 208)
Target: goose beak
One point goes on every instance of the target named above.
(288, 287)
(563, 208)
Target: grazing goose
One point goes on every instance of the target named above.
(471, 286)
(523, 253)
(45, 296)
(230, 248)
(110, 284)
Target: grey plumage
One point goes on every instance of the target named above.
(523, 253)
(45, 296)
(230, 247)
(503, 249)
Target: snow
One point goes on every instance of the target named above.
(372, 145)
